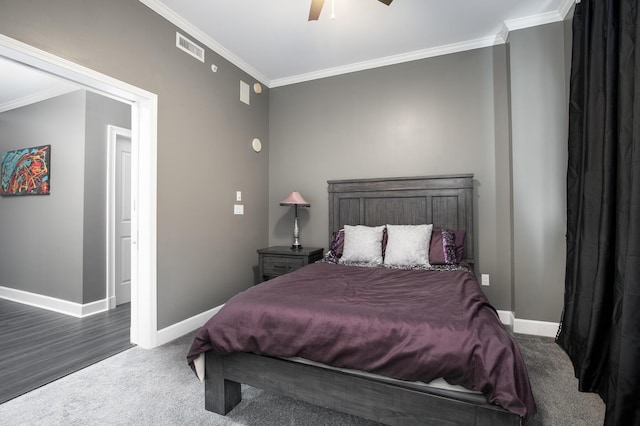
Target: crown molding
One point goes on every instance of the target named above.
(199, 35)
(500, 38)
(36, 97)
(540, 19)
(566, 7)
(391, 60)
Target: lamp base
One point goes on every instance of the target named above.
(296, 233)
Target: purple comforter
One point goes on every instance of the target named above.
(406, 324)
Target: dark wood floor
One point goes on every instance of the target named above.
(39, 346)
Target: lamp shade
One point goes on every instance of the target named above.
(295, 199)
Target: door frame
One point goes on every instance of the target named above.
(113, 132)
(144, 125)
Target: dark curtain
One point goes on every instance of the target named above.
(600, 327)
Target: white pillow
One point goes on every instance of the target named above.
(408, 245)
(362, 244)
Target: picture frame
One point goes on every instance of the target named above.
(26, 171)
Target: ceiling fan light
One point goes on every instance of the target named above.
(316, 8)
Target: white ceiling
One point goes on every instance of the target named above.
(22, 85)
(274, 42)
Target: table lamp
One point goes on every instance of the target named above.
(295, 199)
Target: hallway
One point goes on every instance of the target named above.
(38, 346)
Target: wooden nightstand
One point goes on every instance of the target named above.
(279, 260)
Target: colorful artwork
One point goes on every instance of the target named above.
(25, 171)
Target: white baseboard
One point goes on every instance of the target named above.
(506, 317)
(524, 326)
(181, 328)
(537, 328)
(83, 310)
(66, 307)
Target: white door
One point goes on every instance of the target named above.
(119, 218)
(123, 220)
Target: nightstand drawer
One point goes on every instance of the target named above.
(281, 265)
(279, 260)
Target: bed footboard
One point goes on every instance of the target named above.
(361, 396)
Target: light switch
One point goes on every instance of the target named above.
(238, 195)
(238, 209)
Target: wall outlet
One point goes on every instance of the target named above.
(485, 279)
(238, 209)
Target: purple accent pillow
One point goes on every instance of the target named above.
(449, 247)
(438, 243)
(337, 244)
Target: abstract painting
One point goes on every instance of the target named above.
(25, 171)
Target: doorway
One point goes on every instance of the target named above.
(143, 175)
(118, 216)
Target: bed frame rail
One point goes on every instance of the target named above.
(387, 403)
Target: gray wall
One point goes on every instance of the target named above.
(447, 114)
(205, 253)
(100, 112)
(41, 235)
(540, 122)
(499, 113)
(64, 254)
(441, 115)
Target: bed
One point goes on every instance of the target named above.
(327, 342)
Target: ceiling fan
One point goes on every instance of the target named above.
(316, 8)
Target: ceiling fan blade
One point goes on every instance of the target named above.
(387, 2)
(316, 8)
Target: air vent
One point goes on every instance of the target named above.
(190, 47)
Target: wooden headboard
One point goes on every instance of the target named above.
(444, 201)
